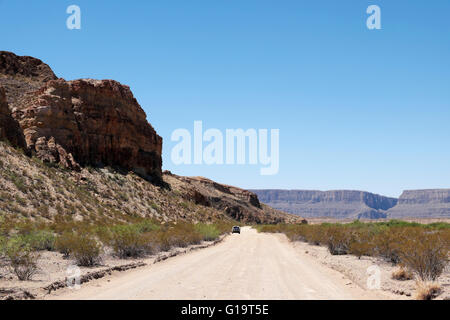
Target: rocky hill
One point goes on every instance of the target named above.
(336, 204)
(83, 149)
(433, 203)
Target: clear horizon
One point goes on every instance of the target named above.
(357, 109)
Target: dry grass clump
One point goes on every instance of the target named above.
(402, 274)
(426, 290)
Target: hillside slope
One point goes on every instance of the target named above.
(31, 188)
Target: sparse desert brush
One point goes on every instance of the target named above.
(183, 235)
(315, 234)
(386, 244)
(337, 240)
(147, 226)
(208, 232)
(6, 224)
(85, 249)
(426, 290)
(127, 241)
(402, 274)
(64, 243)
(269, 228)
(40, 240)
(225, 226)
(22, 260)
(425, 252)
(361, 243)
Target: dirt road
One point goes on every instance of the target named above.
(247, 266)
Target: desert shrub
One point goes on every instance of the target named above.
(3, 242)
(183, 235)
(426, 290)
(40, 240)
(361, 243)
(127, 241)
(402, 274)
(147, 226)
(64, 243)
(386, 244)
(6, 224)
(337, 240)
(315, 235)
(425, 253)
(85, 249)
(22, 260)
(177, 235)
(208, 232)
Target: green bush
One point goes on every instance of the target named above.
(64, 243)
(22, 260)
(41, 240)
(337, 240)
(387, 244)
(425, 253)
(127, 241)
(208, 232)
(85, 249)
(361, 243)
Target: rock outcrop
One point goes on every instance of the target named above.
(432, 203)
(9, 128)
(20, 75)
(80, 122)
(90, 122)
(335, 204)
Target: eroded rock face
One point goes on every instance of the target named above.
(90, 122)
(9, 128)
(333, 204)
(20, 75)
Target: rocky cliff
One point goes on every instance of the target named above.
(9, 128)
(90, 122)
(336, 204)
(81, 122)
(433, 203)
(19, 75)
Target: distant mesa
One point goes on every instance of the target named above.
(334, 204)
(348, 204)
(433, 203)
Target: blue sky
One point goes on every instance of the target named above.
(356, 108)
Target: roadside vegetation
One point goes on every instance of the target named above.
(420, 251)
(21, 242)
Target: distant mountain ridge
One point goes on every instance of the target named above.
(433, 203)
(342, 204)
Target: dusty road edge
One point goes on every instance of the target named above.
(95, 275)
